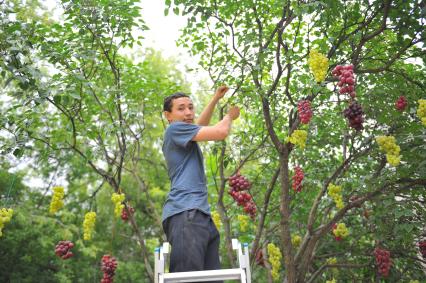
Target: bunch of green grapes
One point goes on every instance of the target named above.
(5, 217)
(421, 111)
(298, 137)
(274, 256)
(296, 240)
(216, 219)
(118, 199)
(57, 200)
(340, 231)
(389, 146)
(319, 65)
(89, 225)
(335, 192)
(243, 220)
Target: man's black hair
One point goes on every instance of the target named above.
(168, 101)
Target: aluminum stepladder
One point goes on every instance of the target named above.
(242, 273)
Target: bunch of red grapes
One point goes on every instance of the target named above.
(347, 85)
(109, 265)
(346, 79)
(63, 249)
(354, 114)
(239, 184)
(297, 179)
(422, 247)
(305, 111)
(383, 261)
(401, 103)
(125, 212)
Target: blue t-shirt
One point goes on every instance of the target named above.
(186, 170)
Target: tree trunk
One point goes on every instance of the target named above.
(306, 258)
(285, 220)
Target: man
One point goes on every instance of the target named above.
(186, 213)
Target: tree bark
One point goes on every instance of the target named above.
(286, 244)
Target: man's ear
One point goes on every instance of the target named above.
(167, 115)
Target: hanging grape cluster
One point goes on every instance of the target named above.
(297, 179)
(305, 111)
(421, 111)
(108, 267)
(239, 184)
(318, 64)
(335, 192)
(118, 199)
(89, 225)
(296, 240)
(125, 212)
(389, 146)
(57, 200)
(354, 114)
(298, 137)
(401, 103)
(243, 221)
(340, 231)
(383, 261)
(216, 219)
(5, 217)
(346, 78)
(63, 249)
(274, 256)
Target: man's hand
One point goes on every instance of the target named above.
(234, 112)
(220, 92)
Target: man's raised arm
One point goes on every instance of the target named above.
(219, 131)
(206, 115)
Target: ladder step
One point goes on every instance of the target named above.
(203, 276)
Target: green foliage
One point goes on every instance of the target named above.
(260, 48)
(89, 117)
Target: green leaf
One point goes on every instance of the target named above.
(18, 152)
(75, 95)
(407, 227)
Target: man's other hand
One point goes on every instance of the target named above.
(234, 112)
(220, 92)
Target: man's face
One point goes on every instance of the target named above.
(182, 111)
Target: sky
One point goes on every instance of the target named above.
(164, 31)
(162, 35)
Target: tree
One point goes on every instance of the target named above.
(76, 102)
(261, 48)
(79, 109)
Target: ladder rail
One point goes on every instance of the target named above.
(247, 262)
(157, 265)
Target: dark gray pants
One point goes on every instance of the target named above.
(194, 240)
